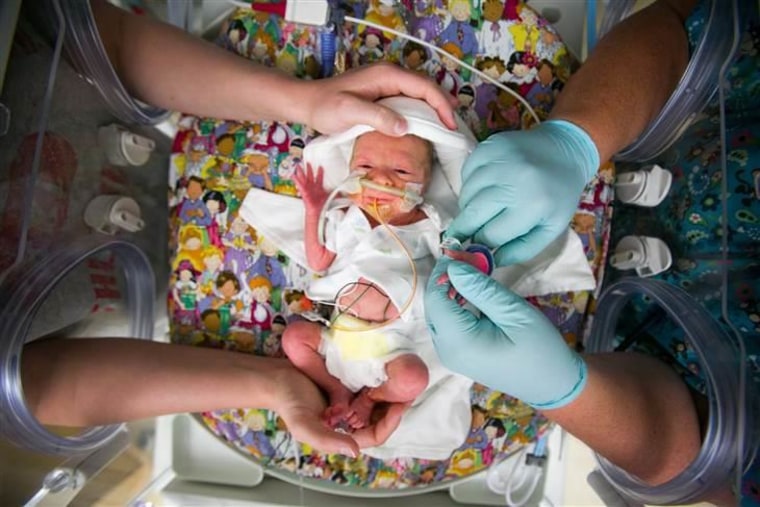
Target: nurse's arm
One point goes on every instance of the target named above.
(628, 77)
(164, 66)
(636, 412)
(86, 382)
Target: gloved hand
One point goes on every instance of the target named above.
(511, 347)
(520, 189)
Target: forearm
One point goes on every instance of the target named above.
(83, 382)
(636, 412)
(629, 76)
(317, 255)
(169, 68)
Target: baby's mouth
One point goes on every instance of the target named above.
(378, 197)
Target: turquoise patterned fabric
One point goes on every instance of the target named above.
(690, 222)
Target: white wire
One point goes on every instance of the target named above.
(531, 475)
(440, 51)
(483, 75)
(518, 475)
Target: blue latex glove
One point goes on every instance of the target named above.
(520, 189)
(511, 347)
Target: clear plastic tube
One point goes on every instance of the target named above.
(31, 181)
(725, 251)
(716, 464)
(21, 296)
(614, 12)
(85, 50)
(697, 86)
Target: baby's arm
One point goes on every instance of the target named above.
(314, 197)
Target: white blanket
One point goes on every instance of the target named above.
(561, 267)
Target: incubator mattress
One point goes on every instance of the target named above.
(249, 291)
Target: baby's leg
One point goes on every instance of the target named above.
(407, 379)
(300, 341)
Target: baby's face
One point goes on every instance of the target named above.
(392, 162)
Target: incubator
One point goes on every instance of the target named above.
(125, 275)
(58, 273)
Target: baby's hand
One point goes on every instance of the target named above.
(310, 187)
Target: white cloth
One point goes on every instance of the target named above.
(561, 267)
(373, 253)
(439, 420)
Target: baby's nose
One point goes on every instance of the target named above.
(381, 176)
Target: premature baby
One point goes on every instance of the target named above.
(364, 357)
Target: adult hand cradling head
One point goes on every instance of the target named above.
(337, 104)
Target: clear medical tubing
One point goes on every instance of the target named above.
(726, 295)
(697, 86)
(86, 52)
(26, 207)
(730, 436)
(615, 11)
(21, 296)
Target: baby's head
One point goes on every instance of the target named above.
(432, 157)
(392, 162)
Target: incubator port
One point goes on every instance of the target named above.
(646, 187)
(109, 214)
(123, 147)
(648, 256)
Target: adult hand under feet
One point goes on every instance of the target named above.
(372, 413)
(302, 407)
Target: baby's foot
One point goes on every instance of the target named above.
(340, 402)
(361, 410)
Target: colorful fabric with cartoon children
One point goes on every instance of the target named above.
(236, 291)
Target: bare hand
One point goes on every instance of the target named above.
(311, 187)
(301, 405)
(339, 103)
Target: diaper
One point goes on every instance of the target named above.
(356, 352)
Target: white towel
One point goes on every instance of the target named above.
(439, 420)
(560, 267)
